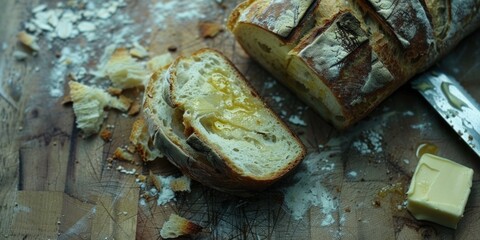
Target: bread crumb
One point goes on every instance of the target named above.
(134, 109)
(181, 184)
(128, 172)
(124, 155)
(124, 71)
(156, 183)
(162, 188)
(106, 135)
(209, 29)
(177, 226)
(28, 40)
(142, 178)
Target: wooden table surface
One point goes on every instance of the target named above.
(56, 184)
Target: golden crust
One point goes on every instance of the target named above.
(177, 226)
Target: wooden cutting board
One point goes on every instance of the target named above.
(56, 184)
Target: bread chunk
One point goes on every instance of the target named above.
(28, 40)
(124, 71)
(177, 226)
(211, 124)
(180, 184)
(89, 103)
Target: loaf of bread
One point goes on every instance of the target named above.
(208, 121)
(344, 57)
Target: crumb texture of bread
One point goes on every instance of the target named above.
(212, 125)
(89, 104)
(177, 226)
(343, 58)
(124, 71)
(140, 137)
(229, 118)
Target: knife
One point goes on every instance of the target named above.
(453, 103)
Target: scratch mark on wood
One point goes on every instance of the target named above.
(71, 158)
(7, 99)
(20, 170)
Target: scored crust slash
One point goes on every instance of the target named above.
(345, 57)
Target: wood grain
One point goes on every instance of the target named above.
(10, 113)
(56, 184)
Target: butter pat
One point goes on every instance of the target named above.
(439, 190)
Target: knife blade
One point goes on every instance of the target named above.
(453, 103)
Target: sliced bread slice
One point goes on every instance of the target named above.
(214, 126)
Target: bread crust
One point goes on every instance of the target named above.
(177, 226)
(375, 46)
(192, 155)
